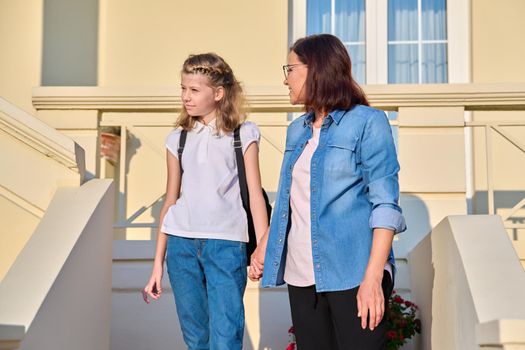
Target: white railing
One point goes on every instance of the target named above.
(470, 295)
(118, 108)
(40, 136)
(57, 293)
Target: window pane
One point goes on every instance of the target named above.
(402, 20)
(434, 63)
(358, 57)
(403, 64)
(433, 19)
(318, 17)
(350, 20)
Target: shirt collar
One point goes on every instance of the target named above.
(198, 127)
(336, 115)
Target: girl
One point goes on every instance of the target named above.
(337, 205)
(204, 227)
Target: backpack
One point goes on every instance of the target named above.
(245, 195)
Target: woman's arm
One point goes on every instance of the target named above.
(380, 173)
(154, 286)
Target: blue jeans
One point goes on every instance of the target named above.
(208, 278)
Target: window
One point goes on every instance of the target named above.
(389, 41)
(417, 41)
(346, 19)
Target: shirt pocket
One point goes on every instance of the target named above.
(341, 159)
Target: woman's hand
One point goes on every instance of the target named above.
(370, 302)
(154, 286)
(257, 264)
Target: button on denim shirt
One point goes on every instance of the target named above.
(353, 189)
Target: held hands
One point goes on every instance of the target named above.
(256, 265)
(154, 286)
(370, 302)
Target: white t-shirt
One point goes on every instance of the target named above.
(210, 204)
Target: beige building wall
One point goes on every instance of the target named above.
(146, 45)
(498, 54)
(21, 47)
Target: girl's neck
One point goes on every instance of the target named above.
(207, 119)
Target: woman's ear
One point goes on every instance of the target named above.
(219, 93)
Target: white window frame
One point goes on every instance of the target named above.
(458, 38)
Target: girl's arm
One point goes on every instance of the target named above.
(258, 209)
(370, 299)
(253, 178)
(154, 286)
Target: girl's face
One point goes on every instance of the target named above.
(296, 79)
(198, 97)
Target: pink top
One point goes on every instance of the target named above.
(299, 269)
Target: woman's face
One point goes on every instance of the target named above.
(296, 79)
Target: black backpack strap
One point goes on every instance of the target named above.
(245, 195)
(182, 142)
(237, 145)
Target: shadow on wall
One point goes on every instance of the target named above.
(132, 145)
(418, 225)
(275, 318)
(503, 202)
(274, 312)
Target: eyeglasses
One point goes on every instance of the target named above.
(287, 68)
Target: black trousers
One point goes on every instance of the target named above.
(328, 320)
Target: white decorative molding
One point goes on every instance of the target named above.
(504, 96)
(38, 135)
(459, 21)
(22, 203)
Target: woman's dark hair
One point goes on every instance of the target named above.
(329, 84)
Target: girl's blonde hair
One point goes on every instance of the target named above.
(230, 109)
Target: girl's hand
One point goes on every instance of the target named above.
(154, 286)
(370, 302)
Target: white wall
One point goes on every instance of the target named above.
(59, 288)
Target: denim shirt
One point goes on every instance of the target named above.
(353, 189)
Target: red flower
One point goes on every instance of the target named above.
(291, 330)
(398, 299)
(408, 303)
(391, 335)
(290, 346)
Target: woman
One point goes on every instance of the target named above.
(337, 209)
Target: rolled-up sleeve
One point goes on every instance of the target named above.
(380, 172)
